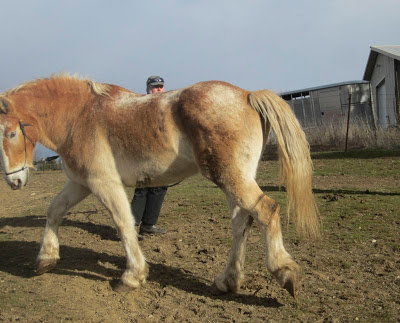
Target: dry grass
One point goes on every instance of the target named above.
(361, 134)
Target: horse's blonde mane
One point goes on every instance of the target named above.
(97, 88)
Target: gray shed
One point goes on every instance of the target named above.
(382, 70)
(329, 104)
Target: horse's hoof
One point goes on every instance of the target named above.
(293, 287)
(124, 288)
(214, 290)
(291, 282)
(289, 278)
(45, 265)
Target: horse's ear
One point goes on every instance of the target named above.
(4, 106)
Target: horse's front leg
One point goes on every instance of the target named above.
(112, 194)
(71, 195)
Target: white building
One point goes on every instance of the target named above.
(383, 72)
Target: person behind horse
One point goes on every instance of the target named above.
(146, 203)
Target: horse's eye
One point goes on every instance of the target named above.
(12, 134)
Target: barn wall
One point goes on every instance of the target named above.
(384, 75)
(326, 106)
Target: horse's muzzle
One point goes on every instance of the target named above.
(18, 180)
(16, 184)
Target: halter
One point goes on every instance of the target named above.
(22, 127)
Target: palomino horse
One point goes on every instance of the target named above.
(109, 137)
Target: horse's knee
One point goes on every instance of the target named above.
(56, 210)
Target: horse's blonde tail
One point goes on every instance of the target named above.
(295, 161)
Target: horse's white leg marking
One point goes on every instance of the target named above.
(232, 276)
(265, 211)
(113, 196)
(279, 262)
(71, 195)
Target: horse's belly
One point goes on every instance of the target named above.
(152, 173)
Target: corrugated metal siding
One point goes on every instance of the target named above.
(325, 106)
(392, 51)
(384, 71)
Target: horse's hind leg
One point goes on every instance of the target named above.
(279, 262)
(231, 278)
(71, 195)
(265, 211)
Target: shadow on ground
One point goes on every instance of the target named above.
(18, 259)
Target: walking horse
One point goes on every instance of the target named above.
(109, 137)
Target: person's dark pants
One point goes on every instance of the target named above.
(146, 204)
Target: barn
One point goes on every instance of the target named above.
(330, 104)
(382, 71)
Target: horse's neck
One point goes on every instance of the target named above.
(54, 115)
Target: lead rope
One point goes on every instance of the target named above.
(174, 184)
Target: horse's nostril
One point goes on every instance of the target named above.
(16, 184)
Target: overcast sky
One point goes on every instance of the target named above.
(279, 45)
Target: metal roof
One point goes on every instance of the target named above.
(322, 87)
(391, 51)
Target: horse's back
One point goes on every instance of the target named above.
(162, 138)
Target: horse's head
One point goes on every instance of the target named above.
(17, 142)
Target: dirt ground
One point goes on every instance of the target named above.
(353, 274)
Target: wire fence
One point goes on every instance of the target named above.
(320, 109)
(356, 135)
(349, 121)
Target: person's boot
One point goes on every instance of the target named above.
(151, 229)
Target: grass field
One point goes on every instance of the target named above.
(352, 274)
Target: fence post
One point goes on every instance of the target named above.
(348, 121)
